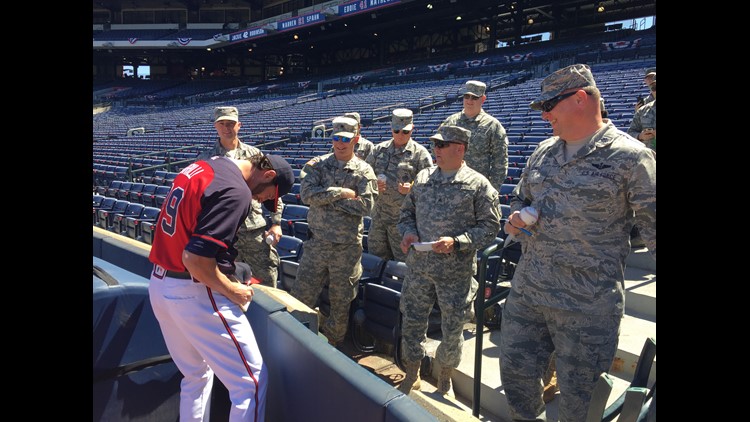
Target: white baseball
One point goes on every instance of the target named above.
(529, 215)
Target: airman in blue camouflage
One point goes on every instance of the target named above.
(340, 190)
(488, 149)
(251, 238)
(458, 209)
(399, 159)
(589, 183)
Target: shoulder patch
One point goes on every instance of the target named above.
(312, 161)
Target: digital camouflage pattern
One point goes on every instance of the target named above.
(334, 252)
(399, 164)
(487, 152)
(568, 284)
(573, 76)
(464, 205)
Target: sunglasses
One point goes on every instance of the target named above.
(653, 88)
(405, 132)
(339, 138)
(470, 97)
(552, 102)
(442, 144)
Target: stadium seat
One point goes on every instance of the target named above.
(106, 204)
(135, 191)
(118, 221)
(105, 216)
(160, 195)
(289, 248)
(287, 274)
(290, 214)
(372, 268)
(147, 232)
(300, 229)
(133, 225)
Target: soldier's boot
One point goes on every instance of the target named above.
(412, 380)
(445, 386)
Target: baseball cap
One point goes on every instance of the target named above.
(475, 88)
(402, 119)
(284, 180)
(354, 115)
(573, 76)
(344, 126)
(450, 133)
(226, 113)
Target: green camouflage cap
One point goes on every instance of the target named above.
(475, 88)
(354, 115)
(450, 133)
(574, 76)
(344, 126)
(226, 113)
(402, 119)
(650, 71)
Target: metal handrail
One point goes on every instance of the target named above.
(480, 305)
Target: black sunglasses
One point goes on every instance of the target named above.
(442, 144)
(552, 102)
(653, 87)
(405, 132)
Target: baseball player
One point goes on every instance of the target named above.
(193, 291)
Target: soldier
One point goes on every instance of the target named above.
(589, 183)
(251, 239)
(340, 190)
(458, 209)
(399, 159)
(488, 147)
(643, 125)
(363, 148)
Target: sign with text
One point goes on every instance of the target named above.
(300, 21)
(360, 6)
(247, 34)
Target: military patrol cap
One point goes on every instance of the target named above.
(344, 126)
(450, 133)
(284, 180)
(650, 71)
(402, 119)
(573, 76)
(226, 113)
(354, 115)
(475, 88)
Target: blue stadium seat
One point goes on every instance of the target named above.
(133, 225)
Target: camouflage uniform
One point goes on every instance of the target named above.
(399, 164)
(645, 117)
(568, 284)
(251, 244)
(464, 205)
(488, 146)
(333, 252)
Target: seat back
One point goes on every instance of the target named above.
(106, 217)
(372, 268)
(289, 248)
(290, 214)
(393, 275)
(300, 230)
(287, 274)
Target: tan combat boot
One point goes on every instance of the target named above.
(445, 386)
(412, 380)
